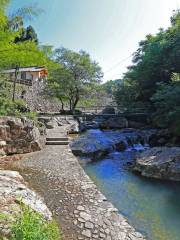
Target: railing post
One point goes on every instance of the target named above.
(14, 85)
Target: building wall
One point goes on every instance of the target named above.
(26, 75)
(34, 96)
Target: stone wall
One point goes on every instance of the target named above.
(35, 98)
(20, 135)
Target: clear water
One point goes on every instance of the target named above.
(151, 206)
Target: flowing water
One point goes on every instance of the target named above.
(151, 206)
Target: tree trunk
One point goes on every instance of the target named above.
(75, 102)
(70, 105)
(62, 104)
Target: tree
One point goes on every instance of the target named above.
(76, 74)
(27, 34)
(16, 18)
(111, 85)
(167, 103)
(155, 62)
(21, 53)
(14, 54)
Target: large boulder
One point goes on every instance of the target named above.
(73, 126)
(160, 162)
(49, 122)
(96, 143)
(163, 137)
(114, 123)
(20, 135)
(143, 118)
(109, 110)
(133, 124)
(92, 145)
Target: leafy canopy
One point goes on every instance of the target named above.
(75, 74)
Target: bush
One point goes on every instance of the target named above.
(31, 225)
(31, 115)
(17, 108)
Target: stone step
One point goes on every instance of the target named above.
(57, 142)
(54, 139)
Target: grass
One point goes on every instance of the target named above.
(30, 225)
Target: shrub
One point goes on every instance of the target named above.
(31, 225)
(17, 108)
(31, 115)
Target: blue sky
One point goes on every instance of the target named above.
(108, 29)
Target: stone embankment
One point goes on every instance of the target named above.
(80, 208)
(20, 135)
(14, 192)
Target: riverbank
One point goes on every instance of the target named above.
(80, 208)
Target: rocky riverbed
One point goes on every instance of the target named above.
(98, 143)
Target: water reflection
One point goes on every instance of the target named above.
(151, 206)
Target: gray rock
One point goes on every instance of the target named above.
(160, 162)
(160, 138)
(114, 123)
(13, 191)
(91, 146)
(109, 110)
(86, 233)
(80, 208)
(20, 135)
(51, 124)
(2, 153)
(89, 225)
(85, 216)
(73, 127)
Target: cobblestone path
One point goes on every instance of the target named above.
(81, 210)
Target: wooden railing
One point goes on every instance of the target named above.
(117, 109)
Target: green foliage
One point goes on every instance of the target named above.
(27, 34)
(153, 79)
(18, 47)
(23, 53)
(167, 103)
(6, 107)
(155, 61)
(111, 86)
(31, 225)
(16, 18)
(31, 115)
(18, 108)
(96, 96)
(73, 77)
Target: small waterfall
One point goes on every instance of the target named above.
(96, 143)
(128, 139)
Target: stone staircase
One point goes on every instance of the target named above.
(57, 141)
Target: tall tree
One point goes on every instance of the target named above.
(27, 34)
(76, 74)
(155, 61)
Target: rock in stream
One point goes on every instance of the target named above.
(159, 162)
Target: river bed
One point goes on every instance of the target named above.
(151, 206)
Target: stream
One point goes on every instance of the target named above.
(151, 206)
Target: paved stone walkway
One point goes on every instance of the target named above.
(82, 211)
